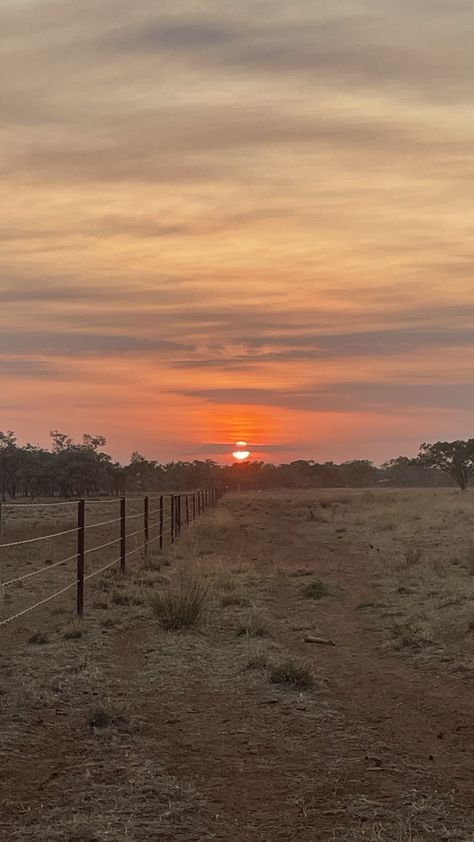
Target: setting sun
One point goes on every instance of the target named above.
(241, 453)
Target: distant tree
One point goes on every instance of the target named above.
(9, 463)
(455, 458)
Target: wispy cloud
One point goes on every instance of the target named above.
(226, 217)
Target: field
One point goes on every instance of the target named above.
(298, 666)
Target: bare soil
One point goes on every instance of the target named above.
(200, 744)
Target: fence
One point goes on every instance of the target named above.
(159, 522)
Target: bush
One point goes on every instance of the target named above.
(316, 590)
(292, 672)
(38, 638)
(180, 605)
(102, 716)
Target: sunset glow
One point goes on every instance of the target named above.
(225, 220)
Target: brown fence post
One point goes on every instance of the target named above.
(194, 505)
(172, 511)
(161, 522)
(179, 514)
(1, 565)
(123, 534)
(187, 509)
(146, 523)
(81, 555)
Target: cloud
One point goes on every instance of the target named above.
(78, 344)
(347, 397)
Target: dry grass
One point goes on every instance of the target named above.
(293, 672)
(181, 605)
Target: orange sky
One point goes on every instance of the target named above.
(238, 221)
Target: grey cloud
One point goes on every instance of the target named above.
(32, 369)
(76, 344)
(348, 397)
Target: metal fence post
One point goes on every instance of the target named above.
(1, 563)
(172, 518)
(81, 555)
(161, 522)
(146, 523)
(123, 534)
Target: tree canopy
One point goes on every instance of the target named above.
(78, 469)
(456, 458)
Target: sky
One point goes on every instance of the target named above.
(226, 221)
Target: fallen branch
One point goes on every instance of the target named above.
(323, 641)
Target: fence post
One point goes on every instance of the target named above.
(179, 513)
(123, 534)
(161, 522)
(81, 555)
(172, 518)
(146, 523)
(1, 563)
(187, 509)
(194, 505)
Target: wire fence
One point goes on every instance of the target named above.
(156, 525)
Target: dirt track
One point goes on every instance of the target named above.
(380, 750)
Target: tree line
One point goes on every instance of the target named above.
(80, 469)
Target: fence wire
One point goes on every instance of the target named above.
(167, 518)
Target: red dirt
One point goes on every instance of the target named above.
(270, 766)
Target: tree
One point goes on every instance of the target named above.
(455, 458)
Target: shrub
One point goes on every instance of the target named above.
(316, 590)
(103, 716)
(38, 638)
(292, 672)
(180, 605)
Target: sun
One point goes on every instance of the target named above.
(241, 453)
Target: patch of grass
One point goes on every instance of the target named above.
(412, 634)
(235, 598)
(258, 661)
(414, 555)
(181, 604)
(316, 590)
(107, 715)
(73, 634)
(129, 596)
(292, 672)
(38, 639)
(252, 626)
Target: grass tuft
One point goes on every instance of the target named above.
(181, 605)
(38, 639)
(316, 590)
(292, 672)
(105, 716)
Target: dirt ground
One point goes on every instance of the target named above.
(118, 730)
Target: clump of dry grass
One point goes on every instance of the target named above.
(253, 625)
(293, 672)
(316, 590)
(105, 715)
(38, 639)
(181, 604)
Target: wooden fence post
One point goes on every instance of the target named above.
(81, 555)
(187, 509)
(123, 534)
(161, 522)
(146, 523)
(194, 505)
